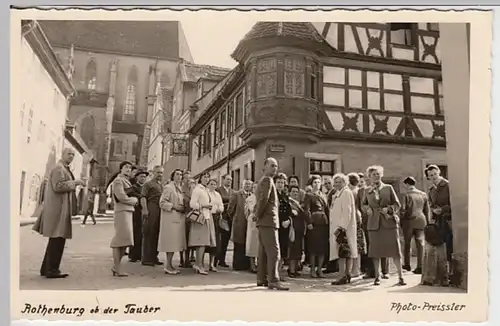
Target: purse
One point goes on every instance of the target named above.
(291, 232)
(433, 234)
(196, 216)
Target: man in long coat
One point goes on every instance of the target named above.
(225, 192)
(236, 210)
(59, 206)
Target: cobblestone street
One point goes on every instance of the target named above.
(87, 258)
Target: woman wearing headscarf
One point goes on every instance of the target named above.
(123, 216)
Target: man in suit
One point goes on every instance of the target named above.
(225, 192)
(59, 206)
(267, 221)
(236, 211)
(414, 218)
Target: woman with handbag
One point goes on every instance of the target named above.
(343, 229)
(383, 223)
(123, 217)
(172, 221)
(217, 209)
(202, 228)
(299, 226)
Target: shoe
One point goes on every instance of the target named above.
(385, 276)
(133, 260)
(401, 281)
(291, 274)
(56, 275)
(427, 283)
(171, 272)
(213, 269)
(158, 263)
(200, 271)
(320, 274)
(376, 282)
(277, 286)
(262, 283)
(115, 273)
(344, 280)
(407, 267)
(223, 264)
(417, 271)
(148, 264)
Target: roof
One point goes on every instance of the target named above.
(192, 72)
(303, 31)
(145, 38)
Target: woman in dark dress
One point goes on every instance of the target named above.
(284, 215)
(298, 222)
(316, 210)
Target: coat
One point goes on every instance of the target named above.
(252, 239)
(172, 236)
(236, 211)
(343, 214)
(415, 212)
(59, 204)
(386, 198)
(226, 196)
(266, 207)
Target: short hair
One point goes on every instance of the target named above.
(213, 180)
(293, 187)
(280, 176)
(353, 178)
(361, 175)
(125, 163)
(373, 168)
(157, 167)
(432, 167)
(410, 181)
(268, 159)
(293, 177)
(225, 176)
(312, 178)
(247, 181)
(173, 174)
(341, 176)
(202, 175)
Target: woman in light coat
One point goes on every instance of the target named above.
(252, 239)
(343, 224)
(123, 215)
(202, 236)
(217, 209)
(172, 221)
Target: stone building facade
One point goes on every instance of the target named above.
(46, 91)
(324, 98)
(117, 66)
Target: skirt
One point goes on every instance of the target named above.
(284, 240)
(435, 265)
(384, 243)
(172, 232)
(317, 240)
(124, 230)
(295, 247)
(202, 235)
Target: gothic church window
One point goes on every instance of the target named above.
(131, 96)
(294, 76)
(91, 75)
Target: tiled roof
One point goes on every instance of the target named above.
(192, 72)
(302, 31)
(146, 38)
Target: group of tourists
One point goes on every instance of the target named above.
(351, 224)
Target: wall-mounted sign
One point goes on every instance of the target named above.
(276, 148)
(179, 145)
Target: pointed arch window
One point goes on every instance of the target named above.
(131, 95)
(91, 75)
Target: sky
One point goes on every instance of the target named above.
(213, 42)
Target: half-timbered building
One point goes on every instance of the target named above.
(326, 97)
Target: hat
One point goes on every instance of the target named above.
(410, 181)
(141, 172)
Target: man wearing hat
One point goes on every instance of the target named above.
(135, 253)
(414, 218)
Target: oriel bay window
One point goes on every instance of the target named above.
(266, 77)
(294, 76)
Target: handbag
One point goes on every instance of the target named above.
(291, 232)
(196, 216)
(433, 234)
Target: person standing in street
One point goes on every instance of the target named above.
(59, 206)
(135, 252)
(225, 222)
(150, 205)
(90, 205)
(414, 217)
(267, 221)
(188, 184)
(236, 211)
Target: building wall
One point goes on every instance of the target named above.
(42, 122)
(125, 151)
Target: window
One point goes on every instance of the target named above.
(91, 75)
(200, 145)
(222, 125)
(245, 171)
(313, 80)
(207, 140)
(131, 96)
(266, 77)
(294, 76)
(230, 117)
(321, 167)
(402, 34)
(252, 171)
(216, 130)
(238, 112)
(118, 150)
(235, 174)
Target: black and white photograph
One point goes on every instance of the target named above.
(226, 154)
